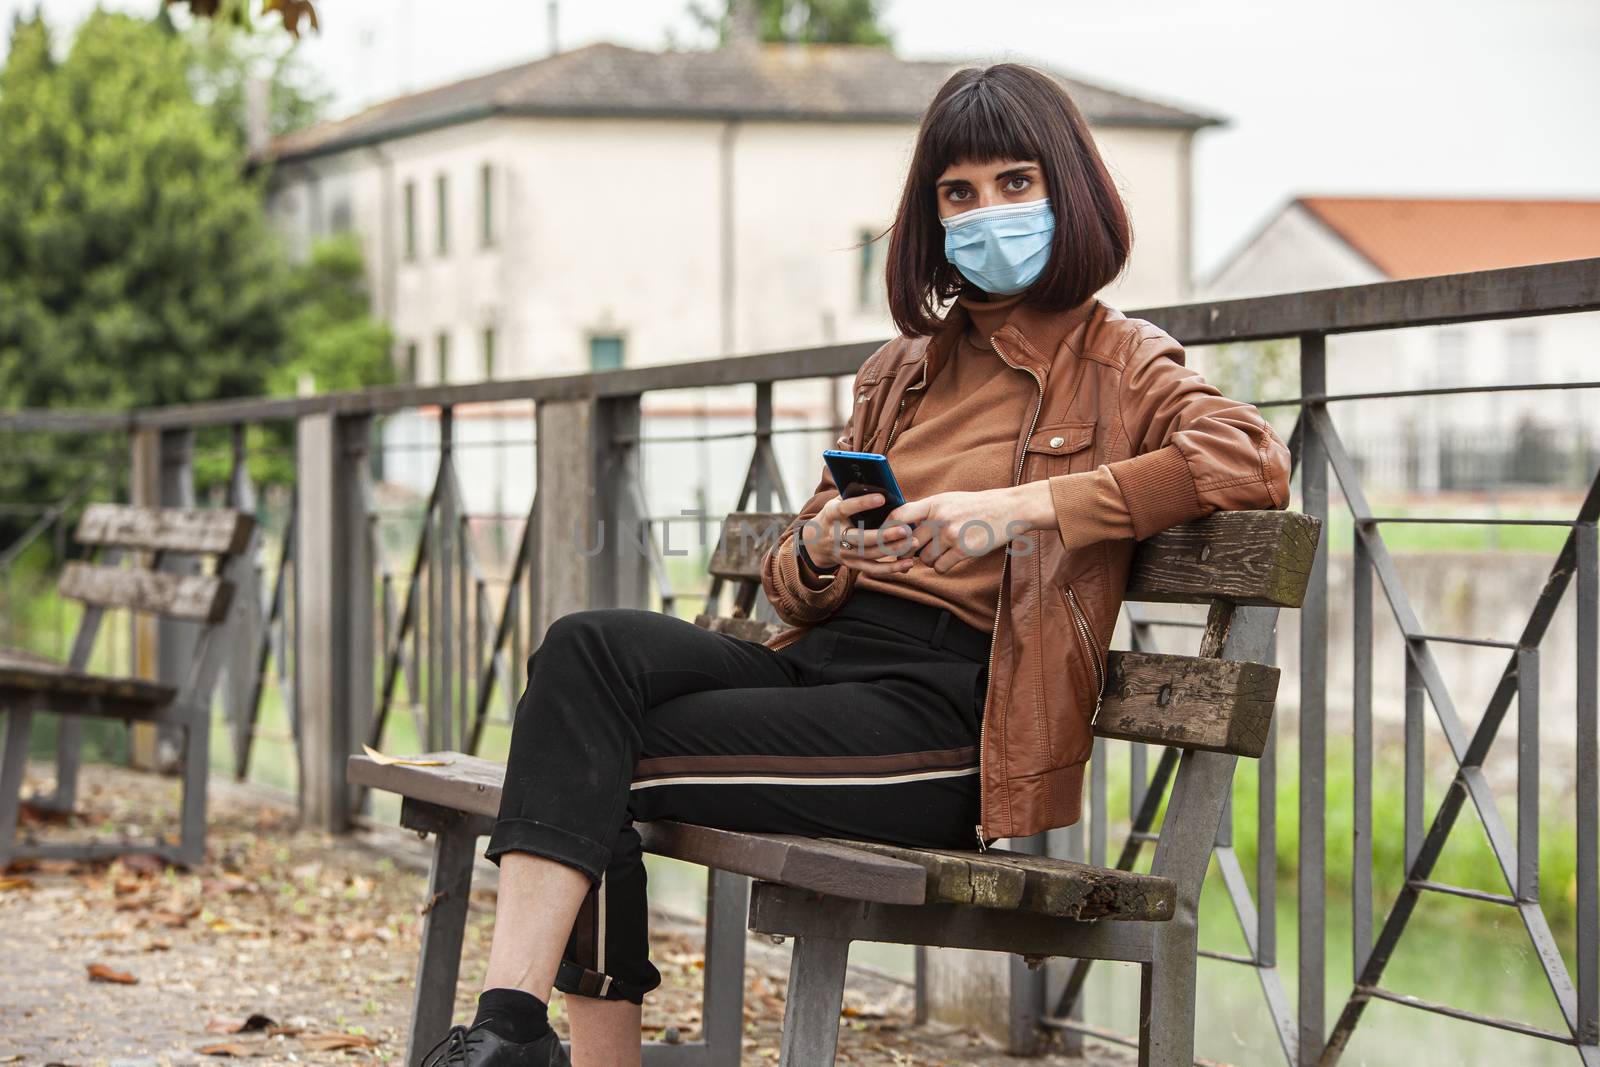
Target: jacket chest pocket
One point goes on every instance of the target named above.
(1060, 448)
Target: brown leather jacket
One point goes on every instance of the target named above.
(1111, 390)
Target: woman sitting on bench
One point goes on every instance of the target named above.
(939, 682)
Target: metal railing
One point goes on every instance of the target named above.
(443, 637)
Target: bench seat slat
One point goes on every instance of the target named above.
(1000, 878)
(857, 870)
(48, 685)
(470, 784)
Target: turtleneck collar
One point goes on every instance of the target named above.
(987, 315)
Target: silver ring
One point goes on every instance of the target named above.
(844, 545)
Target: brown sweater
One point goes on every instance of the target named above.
(974, 380)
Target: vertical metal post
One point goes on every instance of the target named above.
(334, 596)
(1361, 743)
(1527, 887)
(571, 543)
(625, 583)
(442, 628)
(1027, 1000)
(1313, 710)
(245, 626)
(1588, 753)
(764, 485)
(1415, 756)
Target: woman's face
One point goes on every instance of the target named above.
(967, 185)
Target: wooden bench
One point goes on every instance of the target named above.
(825, 894)
(169, 584)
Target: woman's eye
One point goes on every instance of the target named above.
(1018, 184)
(958, 195)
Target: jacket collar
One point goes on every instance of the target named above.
(1032, 336)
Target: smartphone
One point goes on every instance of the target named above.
(860, 473)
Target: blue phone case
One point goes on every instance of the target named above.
(859, 473)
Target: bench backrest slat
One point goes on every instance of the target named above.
(195, 597)
(1188, 702)
(1260, 558)
(198, 531)
(1256, 558)
(745, 538)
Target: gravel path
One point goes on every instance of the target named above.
(132, 963)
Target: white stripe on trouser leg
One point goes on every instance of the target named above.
(804, 779)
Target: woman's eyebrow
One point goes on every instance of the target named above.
(950, 183)
(1012, 172)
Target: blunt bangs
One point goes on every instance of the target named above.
(1006, 111)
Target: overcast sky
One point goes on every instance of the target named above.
(1418, 97)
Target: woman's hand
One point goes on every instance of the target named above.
(832, 539)
(947, 528)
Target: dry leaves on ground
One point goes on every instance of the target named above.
(99, 972)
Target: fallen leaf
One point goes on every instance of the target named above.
(239, 1024)
(142, 863)
(401, 761)
(229, 1048)
(99, 972)
(336, 1042)
(15, 881)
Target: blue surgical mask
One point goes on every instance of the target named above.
(1001, 249)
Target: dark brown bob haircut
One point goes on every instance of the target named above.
(1006, 111)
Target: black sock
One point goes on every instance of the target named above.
(512, 1014)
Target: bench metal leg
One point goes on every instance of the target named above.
(191, 851)
(816, 993)
(12, 766)
(443, 929)
(69, 753)
(1166, 1001)
(727, 909)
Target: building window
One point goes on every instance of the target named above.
(409, 223)
(339, 216)
(444, 359)
(486, 207)
(605, 352)
(869, 270)
(1522, 353)
(441, 189)
(488, 353)
(412, 362)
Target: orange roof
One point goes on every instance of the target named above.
(1408, 238)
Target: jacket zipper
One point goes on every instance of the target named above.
(994, 630)
(1089, 646)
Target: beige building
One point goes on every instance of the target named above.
(609, 205)
(1462, 442)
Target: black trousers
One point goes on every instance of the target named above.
(866, 727)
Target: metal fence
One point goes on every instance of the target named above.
(369, 616)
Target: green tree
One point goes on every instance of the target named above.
(334, 342)
(803, 21)
(136, 264)
(227, 57)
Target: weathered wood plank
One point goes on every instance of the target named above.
(1006, 880)
(190, 530)
(746, 536)
(1245, 557)
(196, 597)
(31, 679)
(745, 629)
(470, 784)
(955, 877)
(1208, 704)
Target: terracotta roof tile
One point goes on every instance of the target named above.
(1418, 238)
(826, 82)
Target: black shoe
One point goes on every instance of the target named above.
(478, 1047)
